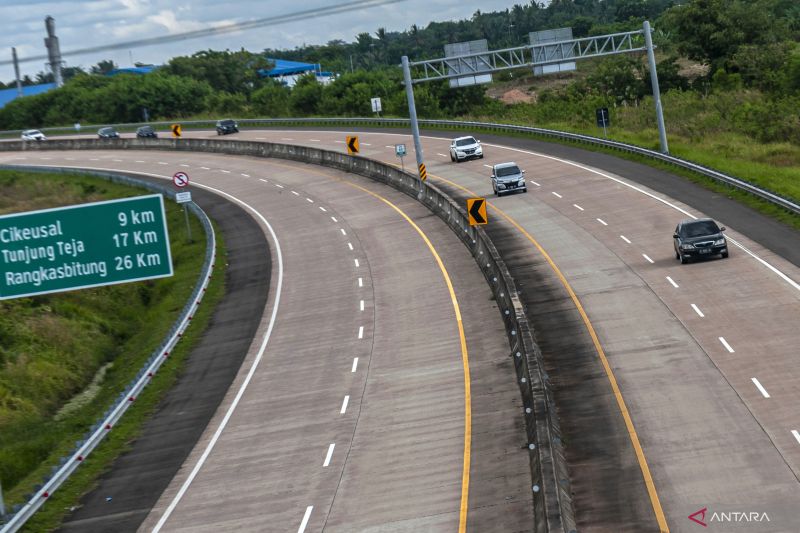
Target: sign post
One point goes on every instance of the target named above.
(603, 120)
(83, 246)
(400, 151)
(181, 180)
(376, 106)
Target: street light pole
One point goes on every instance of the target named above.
(412, 113)
(651, 58)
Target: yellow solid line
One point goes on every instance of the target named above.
(462, 516)
(648, 478)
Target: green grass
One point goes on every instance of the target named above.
(52, 346)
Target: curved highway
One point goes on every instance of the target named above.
(351, 410)
(704, 354)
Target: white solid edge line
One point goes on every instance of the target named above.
(624, 238)
(760, 387)
(648, 258)
(306, 516)
(355, 364)
(360, 332)
(698, 311)
(725, 344)
(250, 373)
(672, 281)
(256, 361)
(346, 400)
(329, 455)
(796, 435)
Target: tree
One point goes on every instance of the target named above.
(271, 100)
(231, 72)
(103, 67)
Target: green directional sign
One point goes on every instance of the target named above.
(81, 246)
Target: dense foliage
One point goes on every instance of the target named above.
(748, 52)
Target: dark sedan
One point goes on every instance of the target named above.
(699, 238)
(107, 133)
(147, 131)
(226, 126)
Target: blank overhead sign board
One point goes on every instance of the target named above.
(554, 51)
(470, 66)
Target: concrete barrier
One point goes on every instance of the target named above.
(550, 486)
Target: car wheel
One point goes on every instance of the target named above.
(525, 189)
(684, 260)
(724, 255)
(452, 159)
(480, 156)
(677, 255)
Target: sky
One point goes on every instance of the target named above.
(85, 23)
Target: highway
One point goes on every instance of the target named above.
(703, 354)
(350, 406)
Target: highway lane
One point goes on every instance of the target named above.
(704, 353)
(354, 418)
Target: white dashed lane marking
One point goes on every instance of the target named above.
(579, 208)
(360, 282)
(603, 222)
(334, 219)
(648, 258)
(262, 179)
(672, 282)
(624, 238)
(323, 209)
(362, 305)
(726, 345)
(344, 405)
(760, 387)
(355, 364)
(306, 516)
(184, 166)
(698, 311)
(356, 263)
(309, 200)
(225, 171)
(245, 175)
(350, 245)
(279, 185)
(557, 195)
(796, 435)
(162, 163)
(343, 231)
(329, 455)
(204, 168)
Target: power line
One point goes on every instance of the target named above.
(345, 7)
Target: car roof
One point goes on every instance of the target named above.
(686, 221)
(464, 137)
(504, 165)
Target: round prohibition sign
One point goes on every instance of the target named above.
(180, 179)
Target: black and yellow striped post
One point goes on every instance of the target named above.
(423, 174)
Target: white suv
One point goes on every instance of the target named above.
(33, 135)
(463, 148)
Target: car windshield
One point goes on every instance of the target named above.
(146, 129)
(107, 130)
(465, 142)
(697, 229)
(507, 171)
(226, 123)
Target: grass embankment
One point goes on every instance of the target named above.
(65, 357)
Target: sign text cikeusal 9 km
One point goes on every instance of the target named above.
(82, 246)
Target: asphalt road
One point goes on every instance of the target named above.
(703, 353)
(353, 417)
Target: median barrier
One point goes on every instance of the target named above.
(550, 486)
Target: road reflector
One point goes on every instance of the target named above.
(352, 145)
(423, 174)
(476, 211)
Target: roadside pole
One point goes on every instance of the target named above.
(188, 226)
(412, 114)
(651, 58)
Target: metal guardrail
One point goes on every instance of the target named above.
(735, 182)
(68, 464)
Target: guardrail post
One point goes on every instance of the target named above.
(651, 58)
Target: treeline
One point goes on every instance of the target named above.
(745, 48)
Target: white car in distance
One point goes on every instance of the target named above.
(33, 135)
(463, 148)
